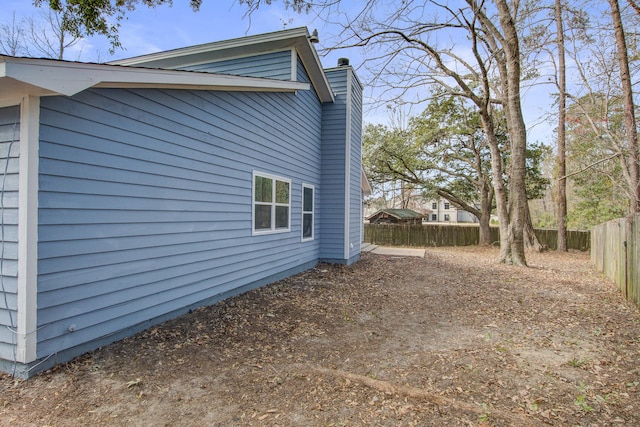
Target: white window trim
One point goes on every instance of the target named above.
(272, 229)
(313, 214)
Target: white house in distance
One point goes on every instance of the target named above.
(441, 210)
(433, 210)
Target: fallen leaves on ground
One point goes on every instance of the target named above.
(449, 339)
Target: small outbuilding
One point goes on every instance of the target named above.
(395, 216)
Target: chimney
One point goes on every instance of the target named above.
(343, 62)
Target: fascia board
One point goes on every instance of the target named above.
(311, 60)
(70, 78)
(134, 77)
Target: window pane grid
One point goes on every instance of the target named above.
(307, 212)
(282, 192)
(271, 203)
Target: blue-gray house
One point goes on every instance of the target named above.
(134, 191)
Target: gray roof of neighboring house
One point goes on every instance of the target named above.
(399, 213)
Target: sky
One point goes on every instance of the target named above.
(147, 30)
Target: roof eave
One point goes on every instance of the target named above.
(39, 77)
(309, 56)
(365, 186)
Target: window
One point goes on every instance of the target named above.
(271, 203)
(446, 217)
(434, 217)
(307, 211)
(434, 205)
(446, 205)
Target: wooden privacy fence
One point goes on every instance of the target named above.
(456, 235)
(576, 239)
(615, 250)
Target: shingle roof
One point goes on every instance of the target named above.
(399, 213)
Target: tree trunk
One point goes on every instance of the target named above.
(499, 191)
(632, 156)
(484, 228)
(561, 165)
(531, 241)
(486, 200)
(504, 45)
(514, 253)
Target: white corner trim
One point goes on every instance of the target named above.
(294, 65)
(28, 229)
(347, 169)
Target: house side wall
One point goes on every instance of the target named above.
(145, 204)
(9, 173)
(355, 169)
(332, 193)
(341, 160)
(274, 65)
(314, 156)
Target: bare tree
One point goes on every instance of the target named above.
(12, 37)
(405, 54)
(45, 36)
(602, 120)
(561, 164)
(631, 157)
(48, 35)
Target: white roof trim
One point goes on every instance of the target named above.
(51, 77)
(365, 186)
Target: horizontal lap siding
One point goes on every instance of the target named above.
(145, 202)
(332, 208)
(9, 168)
(275, 65)
(314, 152)
(355, 200)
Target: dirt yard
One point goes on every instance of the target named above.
(451, 339)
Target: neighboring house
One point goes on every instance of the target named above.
(395, 216)
(441, 210)
(135, 191)
(432, 210)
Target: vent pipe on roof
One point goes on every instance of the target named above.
(313, 38)
(343, 62)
